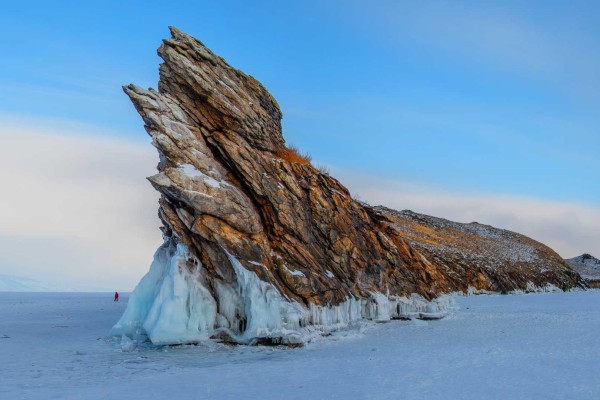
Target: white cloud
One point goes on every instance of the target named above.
(569, 228)
(75, 208)
(77, 212)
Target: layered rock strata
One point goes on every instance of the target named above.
(259, 245)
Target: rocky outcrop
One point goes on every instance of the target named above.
(481, 256)
(259, 244)
(588, 267)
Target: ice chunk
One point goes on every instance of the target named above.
(378, 308)
(533, 288)
(127, 344)
(170, 305)
(184, 311)
(268, 313)
(331, 318)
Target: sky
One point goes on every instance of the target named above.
(472, 111)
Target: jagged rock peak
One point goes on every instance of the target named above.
(231, 100)
(258, 242)
(227, 182)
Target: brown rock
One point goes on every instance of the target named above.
(231, 190)
(481, 256)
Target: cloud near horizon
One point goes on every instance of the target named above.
(78, 213)
(76, 210)
(567, 227)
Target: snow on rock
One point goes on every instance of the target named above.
(483, 257)
(294, 272)
(587, 266)
(173, 305)
(192, 172)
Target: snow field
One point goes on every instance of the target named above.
(530, 346)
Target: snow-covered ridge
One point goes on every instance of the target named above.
(173, 305)
(500, 245)
(482, 256)
(587, 266)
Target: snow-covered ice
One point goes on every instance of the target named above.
(532, 346)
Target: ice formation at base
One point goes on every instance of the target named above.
(529, 288)
(172, 305)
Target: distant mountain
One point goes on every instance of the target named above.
(587, 265)
(12, 283)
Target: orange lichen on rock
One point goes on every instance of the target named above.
(291, 154)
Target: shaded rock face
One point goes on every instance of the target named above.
(258, 242)
(481, 256)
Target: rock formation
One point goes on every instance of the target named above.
(481, 256)
(260, 246)
(588, 267)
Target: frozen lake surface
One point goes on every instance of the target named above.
(538, 346)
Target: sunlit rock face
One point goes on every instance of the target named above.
(483, 257)
(259, 244)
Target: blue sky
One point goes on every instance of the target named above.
(504, 98)
(485, 99)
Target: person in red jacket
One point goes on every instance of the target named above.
(116, 296)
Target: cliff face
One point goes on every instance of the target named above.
(252, 228)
